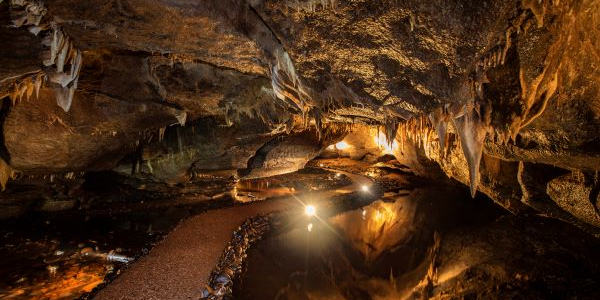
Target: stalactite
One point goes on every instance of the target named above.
(181, 117)
(62, 52)
(472, 130)
(27, 13)
(25, 87)
(390, 129)
(6, 173)
(274, 114)
(161, 133)
(316, 114)
(418, 130)
(439, 120)
(286, 83)
(332, 130)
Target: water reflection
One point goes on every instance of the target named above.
(382, 226)
(309, 179)
(66, 282)
(66, 256)
(261, 189)
(365, 254)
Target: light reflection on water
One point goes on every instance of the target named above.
(260, 189)
(65, 256)
(309, 179)
(365, 255)
(45, 269)
(68, 282)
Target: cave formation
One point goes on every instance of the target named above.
(179, 149)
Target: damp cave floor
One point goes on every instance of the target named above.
(180, 266)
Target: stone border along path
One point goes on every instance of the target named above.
(180, 266)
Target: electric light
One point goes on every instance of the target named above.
(309, 227)
(341, 145)
(310, 210)
(384, 145)
(364, 188)
(364, 213)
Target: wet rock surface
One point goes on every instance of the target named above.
(119, 106)
(55, 251)
(72, 256)
(231, 262)
(92, 84)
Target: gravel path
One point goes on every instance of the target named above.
(179, 267)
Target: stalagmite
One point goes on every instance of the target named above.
(472, 131)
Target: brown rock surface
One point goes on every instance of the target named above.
(521, 75)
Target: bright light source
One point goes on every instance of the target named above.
(338, 175)
(310, 210)
(330, 147)
(384, 145)
(364, 213)
(309, 227)
(341, 145)
(321, 165)
(364, 188)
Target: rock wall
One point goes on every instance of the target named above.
(507, 89)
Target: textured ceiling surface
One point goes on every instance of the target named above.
(502, 95)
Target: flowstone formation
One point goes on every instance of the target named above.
(489, 92)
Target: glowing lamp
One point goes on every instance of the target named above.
(341, 145)
(364, 188)
(310, 210)
(309, 227)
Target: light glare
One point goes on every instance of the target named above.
(341, 145)
(364, 188)
(310, 210)
(309, 227)
(384, 144)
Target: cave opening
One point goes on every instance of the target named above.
(330, 149)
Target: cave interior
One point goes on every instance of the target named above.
(300, 149)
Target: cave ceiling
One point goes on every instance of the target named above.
(87, 83)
